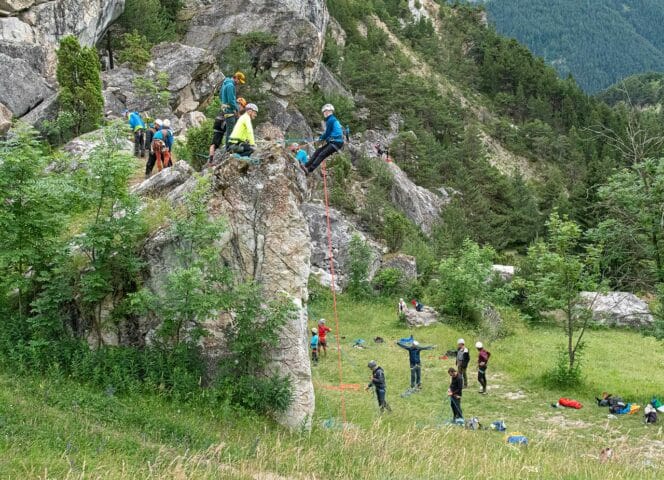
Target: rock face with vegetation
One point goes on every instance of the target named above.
(267, 241)
(297, 27)
(29, 35)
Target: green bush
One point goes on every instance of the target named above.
(198, 144)
(135, 50)
(358, 274)
(389, 282)
(395, 229)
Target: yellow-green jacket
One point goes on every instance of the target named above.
(243, 131)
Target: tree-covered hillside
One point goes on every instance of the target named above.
(598, 41)
(644, 90)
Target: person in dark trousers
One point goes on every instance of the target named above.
(454, 392)
(314, 346)
(333, 138)
(229, 105)
(138, 130)
(462, 361)
(414, 350)
(149, 136)
(378, 382)
(218, 132)
(482, 362)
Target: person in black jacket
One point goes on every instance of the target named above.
(414, 350)
(378, 382)
(152, 158)
(454, 392)
(462, 360)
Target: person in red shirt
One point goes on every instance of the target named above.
(322, 332)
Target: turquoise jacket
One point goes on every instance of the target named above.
(333, 131)
(135, 121)
(227, 96)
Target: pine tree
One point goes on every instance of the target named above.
(80, 85)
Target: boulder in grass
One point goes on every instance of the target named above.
(428, 316)
(617, 309)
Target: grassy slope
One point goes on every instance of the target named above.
(56, 429)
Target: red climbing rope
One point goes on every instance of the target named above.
(334, 295)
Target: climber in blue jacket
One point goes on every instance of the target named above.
(228, 97)
(333, 138)
(138, 130)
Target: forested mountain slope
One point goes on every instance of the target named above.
(598, 41)
(644, 90)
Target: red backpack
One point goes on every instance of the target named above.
(569, 403)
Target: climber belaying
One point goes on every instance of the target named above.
(333, 138)
(229, 105)
(242, 137)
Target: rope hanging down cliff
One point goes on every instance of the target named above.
(334, 294)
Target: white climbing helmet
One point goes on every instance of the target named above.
(159, 122)
(251, 106)
(415, 343)
(167, 123)
(479, 345)
(314, 331)
(321, 321)
(328, 107)
(461, 341)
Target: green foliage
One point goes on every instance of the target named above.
(198, 142)
(360, 258)
(135, 50)
(310, 103)
(155, 20)
(619, 41)
(631, 206)
(389, 282)
(153, 92)
(463, 288)
(339, 172)
(556, 274)
(79, 94)
(642, 90)
(396, 229)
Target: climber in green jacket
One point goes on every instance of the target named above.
(228, 97)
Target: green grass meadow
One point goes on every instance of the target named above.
(54, 428)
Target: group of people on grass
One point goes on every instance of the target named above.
(458, 375)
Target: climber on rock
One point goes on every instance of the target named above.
(162, 142)
(138, 130)
(241, 139)
(220, 127)
(333, 138)
(149, 136)
(229, 105)
(300, 154)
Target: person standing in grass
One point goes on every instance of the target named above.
(314, 346)
(454, 392)
(462, 360)
(322, 335)
(414, 350)
(378, 382)
(482, 361)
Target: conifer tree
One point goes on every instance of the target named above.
(80, 85)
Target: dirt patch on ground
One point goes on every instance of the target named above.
(564, 422)
(518, 395)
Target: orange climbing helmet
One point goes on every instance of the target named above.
(241, 102)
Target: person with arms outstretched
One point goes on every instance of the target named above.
(414, 350)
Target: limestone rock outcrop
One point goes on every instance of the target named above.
(406, 264)
(297, 25)
(29, 35)
(617, 309)
(193, 76)
(342, 234)
(428, 316)
(267, 241)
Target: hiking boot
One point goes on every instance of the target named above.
(482, 391)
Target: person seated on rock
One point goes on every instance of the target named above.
(242, 137)
(418, 306)
(138, 130)
(162, 142)
(414, 350)
(149, 136)
(229, 105)
(333, 138)
(300, 154)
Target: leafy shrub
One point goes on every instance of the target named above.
(135, 50)
(198, 143)
(563, 375)
(359, 263)
(389, 282)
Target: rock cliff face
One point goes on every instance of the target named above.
(298, 25)
(267, 241)
(29, 34)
